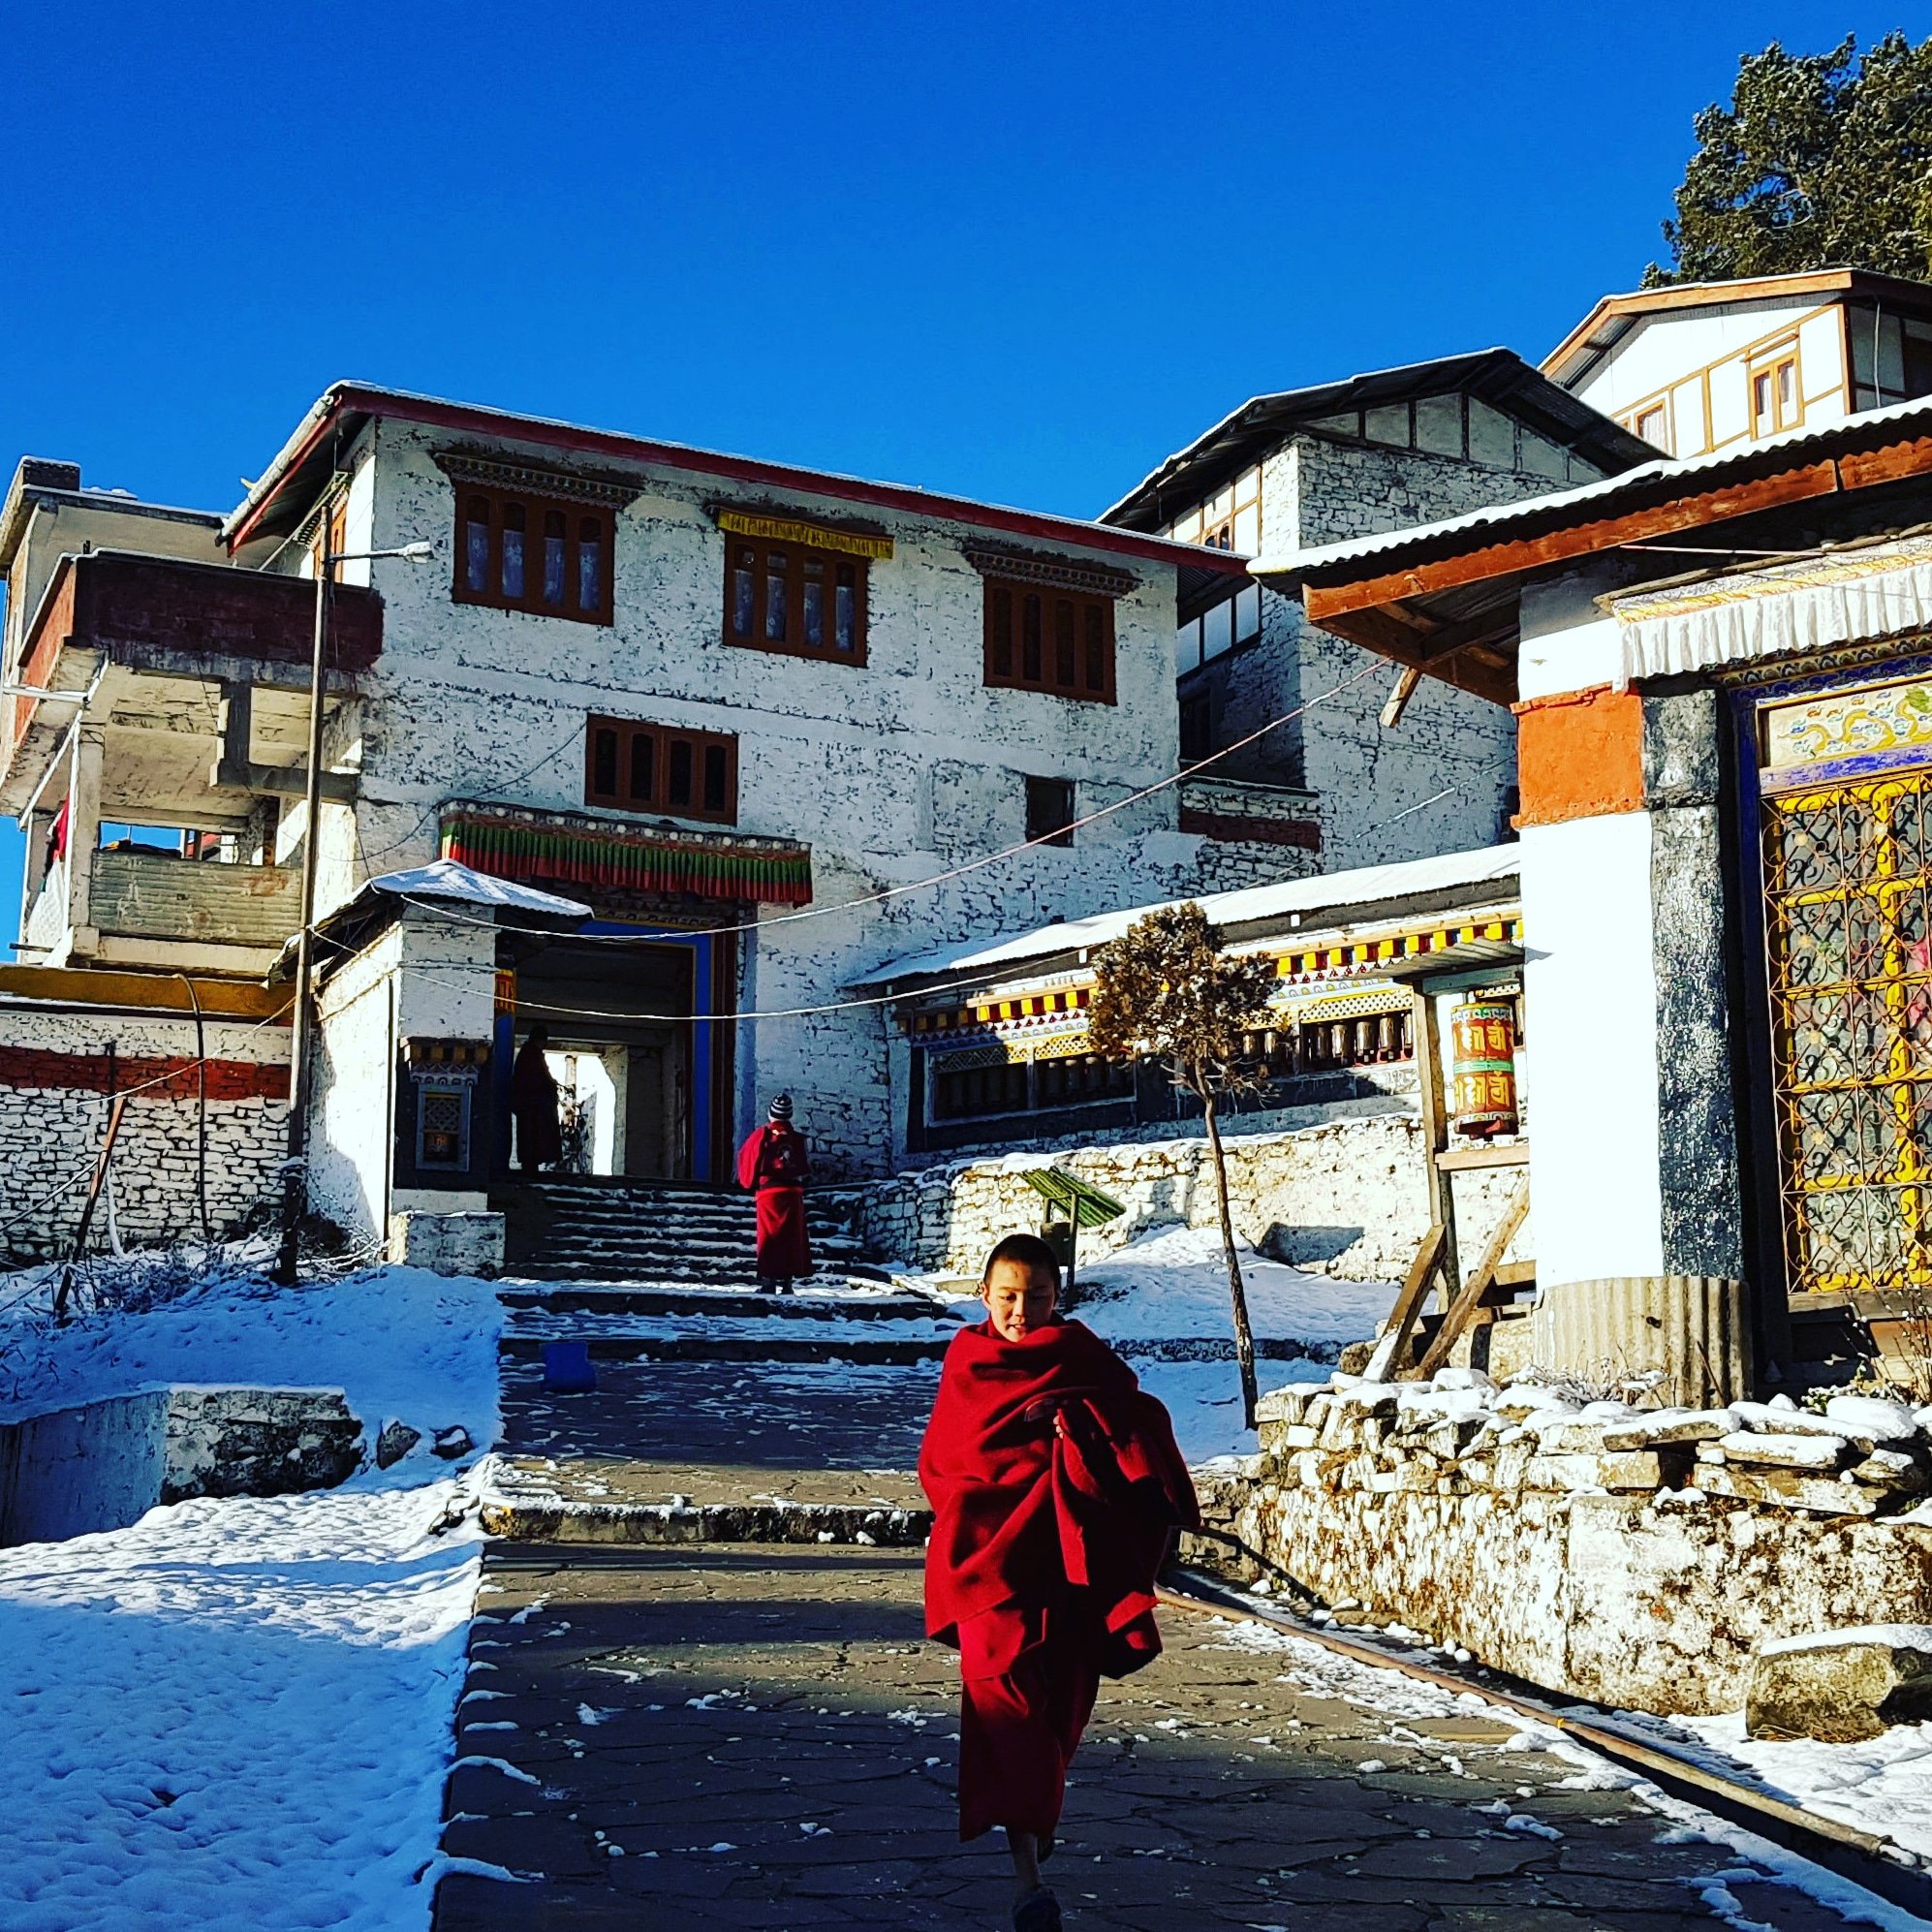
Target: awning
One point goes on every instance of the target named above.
(513, 842)
(1808, 603)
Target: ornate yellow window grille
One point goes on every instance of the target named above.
(1847, 879)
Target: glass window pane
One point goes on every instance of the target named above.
(1001, 620)
(1187, 647)
(1095, 642)
(678, 789)
(1387, 423)
(1492, 435)
(1439, 424)
(1029, 637)
(590, 565)
(1247, 612)
(1062, 642)
(1248, 529)
(744, 587)
(1217, 631)
(813, 614)
(513, 550)
(775, 596)
(476, 546)
(554, 556)
(604, 763)
(845, 609)
(643, 766)
(715, 798)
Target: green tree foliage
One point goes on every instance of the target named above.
(1822, 161)
(1168, 991)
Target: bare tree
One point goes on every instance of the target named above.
(1168, 991)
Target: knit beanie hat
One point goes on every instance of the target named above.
(780, 1108)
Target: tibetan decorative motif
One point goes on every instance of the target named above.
(494, 472)
(779, 529)
(1058, 1015)
(1879, 725)
(1055, 572)
(1483, 1068)
(1330, 961)
(513, 843)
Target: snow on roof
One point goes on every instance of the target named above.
(1325, 893)
(1499, 516)
(446, 879)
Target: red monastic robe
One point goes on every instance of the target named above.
(772, 1164)
(1043, 1552)
(533, 1105)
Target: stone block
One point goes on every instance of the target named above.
(1802, 1452)
(454, 1244)
(1670, 1428)
(1300, 1436)
(1572, 1437)
(395, 1442)
(1840, 1686)
(1634, 1470)
(1787, 1489)
(1891, 1470)
(1280, 1406)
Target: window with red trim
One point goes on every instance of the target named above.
(1040, 638)
(794, 597)
(640, 767)
(533, 554)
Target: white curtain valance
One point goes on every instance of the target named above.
(1811, 604)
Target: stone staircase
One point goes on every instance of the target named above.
(585, 1228)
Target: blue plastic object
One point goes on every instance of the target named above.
(567, 1368)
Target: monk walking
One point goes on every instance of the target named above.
(533, 1106)
(772, 1163)
(1056, 1485)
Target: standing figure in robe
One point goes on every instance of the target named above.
(533, 1106)
(772, 1163)
(1056, 1485)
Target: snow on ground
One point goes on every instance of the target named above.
(1402, 1700)
(237, 1713)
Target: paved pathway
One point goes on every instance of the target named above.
(743, 1735)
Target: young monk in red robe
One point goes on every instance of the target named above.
(1056, 1485)
(772, 1163)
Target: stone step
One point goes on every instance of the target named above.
(737, 1304)
(648, 1271)
(863, 1350)
(521, 1518)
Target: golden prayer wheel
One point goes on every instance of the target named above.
(1483, 1068)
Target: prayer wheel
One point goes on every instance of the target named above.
(1483, 1068)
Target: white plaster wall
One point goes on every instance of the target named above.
(1591, 1007)
(350, 1131)
(1661, 348)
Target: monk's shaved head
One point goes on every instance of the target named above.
(1022, 1286)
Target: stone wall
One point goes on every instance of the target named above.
(59, 1071)
(1635, 1558)
(1346, 1197)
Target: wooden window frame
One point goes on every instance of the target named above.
(1013, 639)
(796, 558)
(535, 510)
(657, 746)
(1766, 364)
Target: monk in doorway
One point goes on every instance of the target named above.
(772, 1163)
(1056, 1486)
(533, 1106)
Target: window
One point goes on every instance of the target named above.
(641, 767)
(1197, 728)
(1236, 620)
(1049, 810)
(532, 553)
(1653, 424)
(964, 1090)
(1228, 521)
(1774, 391)
(794, 597)
(1043, 639)
(334, 529)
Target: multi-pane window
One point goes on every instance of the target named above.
(1228, 521)
(1043, 639)
(963, 1088)
(1775, 403)
(1234, 620)
(1049, 811)
(530, 554)
(794, 597)
(641, 767)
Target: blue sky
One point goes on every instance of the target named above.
(1019, 252)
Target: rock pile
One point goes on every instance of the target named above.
(1459, 1434)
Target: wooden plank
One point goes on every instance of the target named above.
(1322, 602)
(1516, 1274)
(1888, 465)
(97, 986)
(1478, 1284)
(1469, 1160)
(1414, 1291)
(1398, 699)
